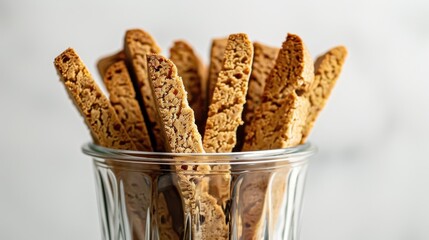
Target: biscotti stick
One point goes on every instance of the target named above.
(292, 73)
(99, 115)
(216, 63)
(191, 69)
(107, 131)
(181, 134)
(176, 116)
(104, 63)
(263, 62)
(138, 44)
(229, 95)
(122, 97)
(254, 188)
(277, 123)
(226, 108)
(327, 70)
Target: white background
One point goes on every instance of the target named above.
(369, 181)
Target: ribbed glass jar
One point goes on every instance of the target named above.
(242, 195)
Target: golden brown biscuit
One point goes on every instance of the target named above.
(107, 131)
(229, 95)
(176, 116)
(327, 70)
(216, 63)
(138, 44)
(123, 98)
(277, 123)
(98, 113)
(181, 134)
(191, 69)
(263, 62)
(225, 110)
(287, 82)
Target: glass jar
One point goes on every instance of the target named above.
(240, 195)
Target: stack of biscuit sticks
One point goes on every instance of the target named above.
(252, 97)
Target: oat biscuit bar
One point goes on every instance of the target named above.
(138, 44)
(98, 113)
(123, 99)
(106, 129)
(182, 136)
(191, 69)
(216, 63)
(225, 110)
(292, 73)
(229, 95)
(327, 70)
(177, 118)
(278, 121)
(263, 62)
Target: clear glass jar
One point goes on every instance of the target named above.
(147, 195)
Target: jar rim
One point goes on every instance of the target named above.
(291, 154)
